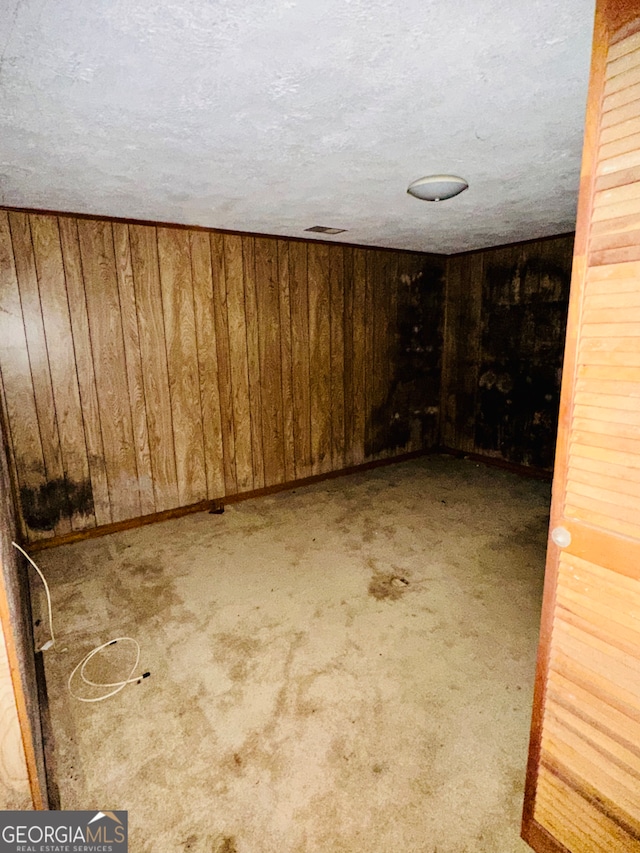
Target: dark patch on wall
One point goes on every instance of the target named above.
(410, 410)
(43, 507)
(524, 313)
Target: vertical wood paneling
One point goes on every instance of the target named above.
(448, 397)
(253, 359)
(105, 325)
(39, 362)
(394, 343)
(319, 294)
(84, 367)
(504, 334)
(163, 366)
(417, 350)
(337, 367)
(238, 361)
(62, 367)
(298, 288)
(153, 356)
(349, 404)
(20, 408)
(461, 351)
(286, 362)
(182, 360)
(207, 361)
(368, 343)
(227, 423)
(379, 288)
(359, 363)
(379, 285)
(135, 381)
(268, 311)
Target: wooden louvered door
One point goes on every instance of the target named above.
(583, 780)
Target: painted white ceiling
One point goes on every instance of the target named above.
(276, 115)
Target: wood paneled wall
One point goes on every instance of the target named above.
(506, 311)
(22, 769)
(146, 368)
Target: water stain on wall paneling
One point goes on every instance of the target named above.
(524, 311)
(410, 410)
(199, 364)
(44, 506)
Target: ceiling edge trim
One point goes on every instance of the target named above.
(160, 224)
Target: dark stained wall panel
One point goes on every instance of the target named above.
(149, 368)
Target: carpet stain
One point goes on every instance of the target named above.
(387, 587)
(286, 698)
(224, 844)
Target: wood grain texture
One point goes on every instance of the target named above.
(286, 362)
(225, 379)
(62, 366)
(378, 355)
(267, 289)
(461, 365)
(238, 358)
(299, 294)
(206, 346)
(349, 403)
(182, 360)
(14, 780)
(337, 367)
(162, 366)
(40, 370)
(18, 393)
(105, 324)
(153, 356)
(584, 765)
(505, 313)
(359, 364)
(84, 366)
(413, 407)
(253, 360)
(23, 781)
(131, 336)
(319, 294)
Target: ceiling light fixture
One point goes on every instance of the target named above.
(437, 187)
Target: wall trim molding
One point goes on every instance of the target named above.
(217, 504)
(512, 244)
(123, 220)
(499, 462)
(159, 224)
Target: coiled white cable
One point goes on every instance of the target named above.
(118, 685)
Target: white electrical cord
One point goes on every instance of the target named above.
(51, 642)
(118, 685)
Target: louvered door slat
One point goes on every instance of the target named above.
(585, 785)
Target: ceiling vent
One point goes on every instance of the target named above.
(324, 229)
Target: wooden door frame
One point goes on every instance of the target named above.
(16, 626)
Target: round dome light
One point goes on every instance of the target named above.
(437, 187)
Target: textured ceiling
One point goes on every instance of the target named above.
(276, 116)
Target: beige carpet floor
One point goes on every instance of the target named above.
(345, 667)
